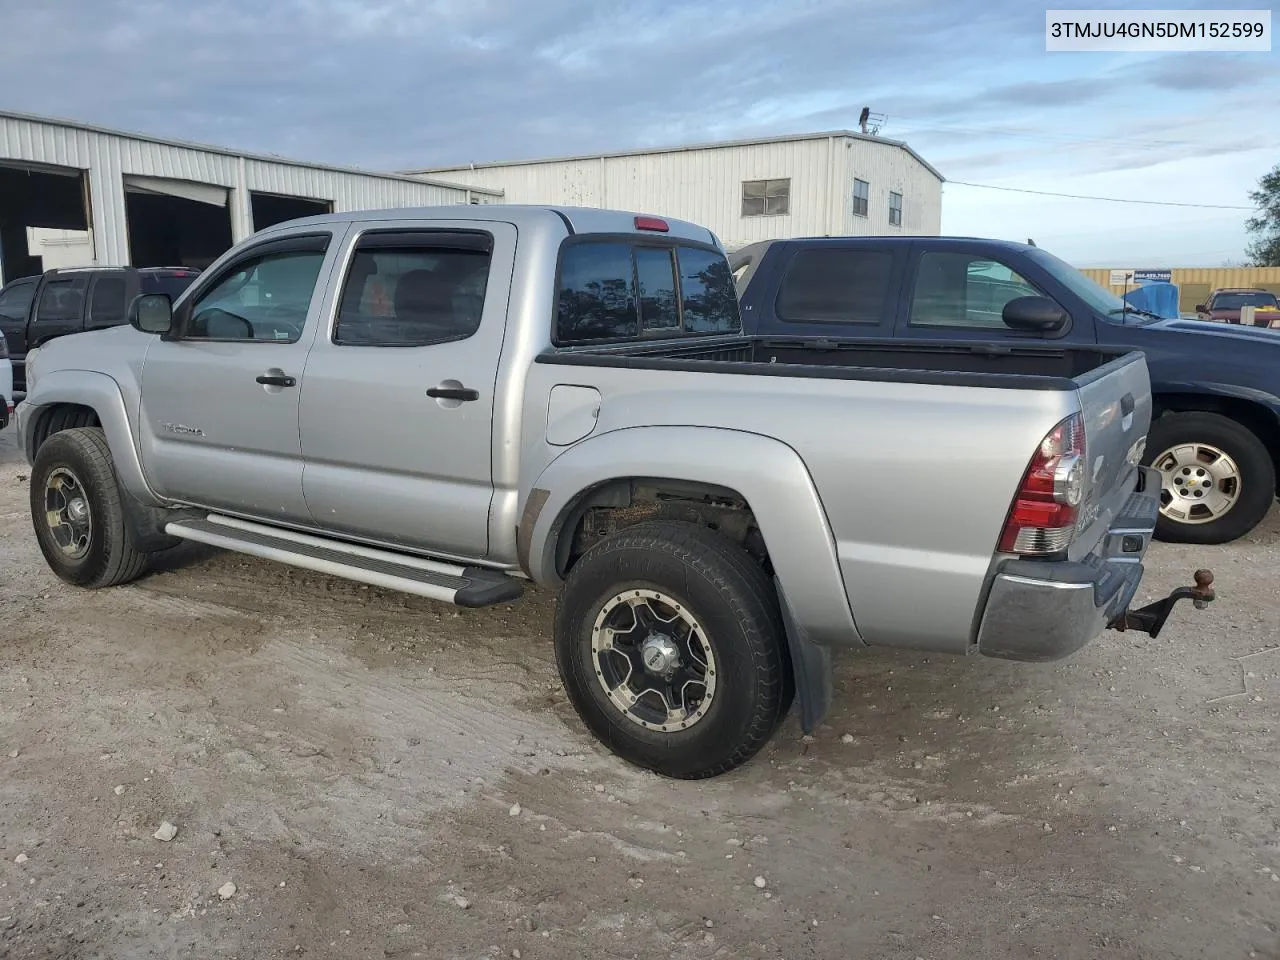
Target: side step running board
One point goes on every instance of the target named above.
(461, 586)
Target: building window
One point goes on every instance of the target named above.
(895, 209)
(861, 191)
(766, 198)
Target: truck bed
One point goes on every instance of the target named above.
(1030, 367)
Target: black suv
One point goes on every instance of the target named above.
(34, 310)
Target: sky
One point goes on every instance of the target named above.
(402, 84)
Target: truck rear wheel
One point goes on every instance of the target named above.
(76, 511)
(1217, 479)
(671, 647)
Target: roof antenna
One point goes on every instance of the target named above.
(870, 123)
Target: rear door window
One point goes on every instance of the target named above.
(836, 286)
(108, 306)
(618, 290)
(413, 290)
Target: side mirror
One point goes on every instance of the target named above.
(1034, 314)
(1201, 308)
(151, 313)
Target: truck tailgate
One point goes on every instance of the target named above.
(1116, 401)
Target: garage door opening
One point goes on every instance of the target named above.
(176, 223)
(42, 216)
(272, 208)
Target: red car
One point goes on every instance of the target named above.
(1223, 306)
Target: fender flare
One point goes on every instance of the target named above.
(1265, 401)
(770, 475)
(102, 394)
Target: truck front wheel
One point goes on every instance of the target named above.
(1217, 478)
(76, 511)
(671, 647)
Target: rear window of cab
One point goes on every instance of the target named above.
(618, 289)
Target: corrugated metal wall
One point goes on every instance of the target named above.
(108, 157)
(887, 170)
(1195, 283)
(705, 186)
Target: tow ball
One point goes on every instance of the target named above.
(1150, 619)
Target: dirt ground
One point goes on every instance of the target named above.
(381, 776)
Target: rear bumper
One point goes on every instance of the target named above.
(1048, 610)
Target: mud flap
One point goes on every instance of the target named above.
(810, 665)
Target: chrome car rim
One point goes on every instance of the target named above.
(653, 660)
(1200, 482)
(67, 513)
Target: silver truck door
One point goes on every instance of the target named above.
(398, 396)
(219, 415)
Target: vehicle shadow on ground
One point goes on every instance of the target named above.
(184, 556)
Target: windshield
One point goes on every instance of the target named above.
(1234, 301)
(1101, 300)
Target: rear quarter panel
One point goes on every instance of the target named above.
(914, 480)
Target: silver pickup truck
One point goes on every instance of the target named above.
(452, 402)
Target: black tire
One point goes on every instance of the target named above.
(1257, 475)
(109, 557)
(730, 596)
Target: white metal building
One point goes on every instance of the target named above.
(151, 202)
(820, 184)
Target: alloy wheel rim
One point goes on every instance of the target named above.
(1200, 483)
(67, 513)
(653, 660)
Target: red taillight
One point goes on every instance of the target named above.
(652, 223)
(1043, 517)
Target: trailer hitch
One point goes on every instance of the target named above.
(1150, 619)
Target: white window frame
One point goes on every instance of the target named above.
(773, 188)
(865, 199)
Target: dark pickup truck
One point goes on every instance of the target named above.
(34, 310)
(1215, 432)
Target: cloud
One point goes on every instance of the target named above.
(400, 84)
(414, 83)
(1052, 93)
(1203, 72)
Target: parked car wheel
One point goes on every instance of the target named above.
(77, 514)
(1218, 479)
(671, 647)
